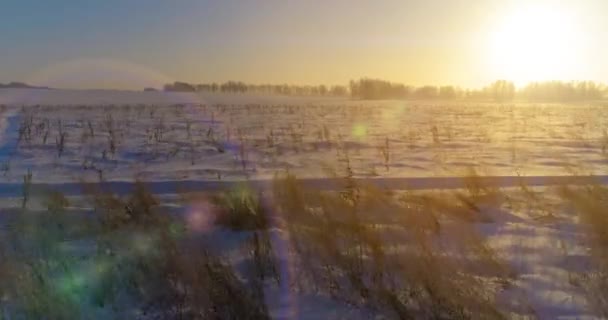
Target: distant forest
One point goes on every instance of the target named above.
(19, 85)
(375, 89)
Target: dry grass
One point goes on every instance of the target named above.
(403, 257)
(408, 255)
(591, 202)
(129, 262)
(240, 209)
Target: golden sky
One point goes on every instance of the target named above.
(131, 44)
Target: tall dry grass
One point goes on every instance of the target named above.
(410, 258)
(590, 202)
(125, 259)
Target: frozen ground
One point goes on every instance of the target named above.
(66, 137)
(173, 137)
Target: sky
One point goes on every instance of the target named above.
(130, 44)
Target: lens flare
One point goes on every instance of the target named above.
(99, 74)
(142, 243)
(96, 74)
(359, 131)
(71, 285)
(200, 216)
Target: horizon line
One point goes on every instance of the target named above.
(27, 85)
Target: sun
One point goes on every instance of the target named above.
(536, 43)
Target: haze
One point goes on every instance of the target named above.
(132, 44)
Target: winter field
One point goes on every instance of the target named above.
(181, 205)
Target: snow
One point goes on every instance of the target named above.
(217, 137)
(192, 141)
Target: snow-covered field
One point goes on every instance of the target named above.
(167, 137)
(65, 138)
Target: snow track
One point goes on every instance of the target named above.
(329, 184)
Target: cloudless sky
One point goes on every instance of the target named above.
(136, 43)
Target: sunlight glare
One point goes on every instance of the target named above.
(536, 43)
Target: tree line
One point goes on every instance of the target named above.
(374, 89)
(242, 87)
(19, 85)
(500, 90)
